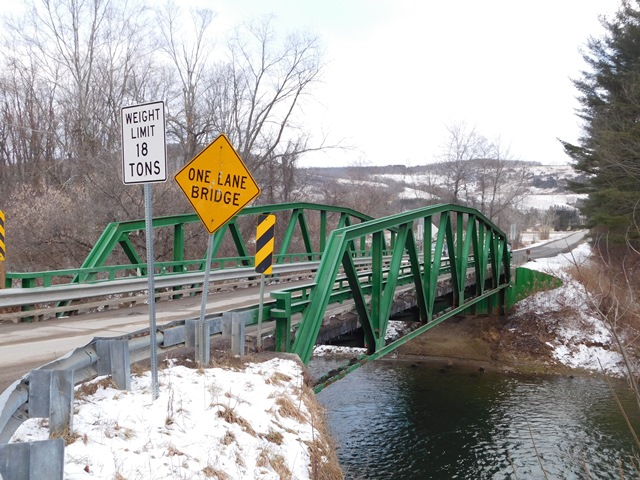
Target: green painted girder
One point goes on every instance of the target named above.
(465, 238)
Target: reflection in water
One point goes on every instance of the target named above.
(395, 420)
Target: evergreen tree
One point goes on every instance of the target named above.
(609, 149)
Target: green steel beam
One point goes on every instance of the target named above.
(359, 300)
(374, 302)
(388, 296)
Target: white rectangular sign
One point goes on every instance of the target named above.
(144, 146)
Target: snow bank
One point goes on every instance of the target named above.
(583, 340)
(207, 423)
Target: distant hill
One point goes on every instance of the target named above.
(507, 191)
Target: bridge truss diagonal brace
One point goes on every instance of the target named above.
(312, 316)
(359, 300)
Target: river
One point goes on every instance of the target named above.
(400, 420)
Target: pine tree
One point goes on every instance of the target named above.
(609, 149)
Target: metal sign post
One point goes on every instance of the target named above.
(144, 160)
(264, 259)
(148, 215)
(201, 337)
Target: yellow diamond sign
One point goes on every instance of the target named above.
(217, 183)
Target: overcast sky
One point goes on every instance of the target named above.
(399, 71)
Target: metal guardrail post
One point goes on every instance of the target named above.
(192, 339)
(114, 360)
(51, 395)
(33, 460)
(238, 333)
(234, 328)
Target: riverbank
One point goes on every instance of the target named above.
(487, 343)
(551, 332)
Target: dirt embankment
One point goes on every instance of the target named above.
(511, 344)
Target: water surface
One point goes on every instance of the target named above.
(397, 420)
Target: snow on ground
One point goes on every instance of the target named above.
(546, 201)
(395, 329)
(206, 423)
(356, 182)
(583, 340)
(414, 194)
(337, 351)
(532, 239)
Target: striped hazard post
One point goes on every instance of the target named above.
(2, 250)
(264, 259)
(264, 244)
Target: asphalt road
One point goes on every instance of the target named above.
(25, 346)
(548, 249)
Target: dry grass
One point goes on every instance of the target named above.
(274, 437)
(228, 438)
(612, 293)
(90, 388)
(212, 472)
(276, 462)
(169, 419)
(120, 432)
(287, 408)
(232, 362)
(138, 369)
(172, 451)
(278, 379)
(230, 416)
(69, 436)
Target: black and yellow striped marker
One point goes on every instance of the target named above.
(2, 248)
(264, 244)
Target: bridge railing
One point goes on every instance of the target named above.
(466, 237)
(298, 243)
(90, 275)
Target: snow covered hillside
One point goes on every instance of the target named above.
(524, 186)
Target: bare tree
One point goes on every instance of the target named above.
(500, 184)
(86, 54)
(28, 144)
(482, 174)
(257, 97)
(189, 121)
(463, 145)
(69, 68)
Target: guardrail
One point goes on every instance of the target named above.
(40, 302)
(109, 273)
(561, 245)
(46, 298)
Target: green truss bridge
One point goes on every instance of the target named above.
(452, 259)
